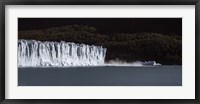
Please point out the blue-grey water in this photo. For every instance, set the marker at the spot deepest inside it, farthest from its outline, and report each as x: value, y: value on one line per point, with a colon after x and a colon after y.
x: 101, y: 76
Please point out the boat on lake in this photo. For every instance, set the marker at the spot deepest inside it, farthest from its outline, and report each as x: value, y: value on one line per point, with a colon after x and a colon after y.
x: 150, y: 63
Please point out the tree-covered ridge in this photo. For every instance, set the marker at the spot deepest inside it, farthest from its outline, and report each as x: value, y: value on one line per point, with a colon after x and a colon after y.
x: 165, y: 49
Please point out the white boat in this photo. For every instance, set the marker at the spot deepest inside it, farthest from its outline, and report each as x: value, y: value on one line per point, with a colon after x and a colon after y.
x: 150, y: 63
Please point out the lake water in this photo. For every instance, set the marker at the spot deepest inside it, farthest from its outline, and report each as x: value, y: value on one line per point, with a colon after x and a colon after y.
x: 101, y: 76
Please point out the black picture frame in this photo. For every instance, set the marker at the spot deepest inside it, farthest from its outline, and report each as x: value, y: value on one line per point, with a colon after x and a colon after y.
x: 100, y: 2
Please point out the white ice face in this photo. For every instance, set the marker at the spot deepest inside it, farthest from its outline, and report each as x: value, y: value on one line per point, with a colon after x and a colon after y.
x: 36, y: 53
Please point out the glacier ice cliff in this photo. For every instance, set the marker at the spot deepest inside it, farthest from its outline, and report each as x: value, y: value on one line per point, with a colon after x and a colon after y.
x: 33, y: 53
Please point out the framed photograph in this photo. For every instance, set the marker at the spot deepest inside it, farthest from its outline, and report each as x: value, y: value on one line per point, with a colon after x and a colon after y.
x: 106, y: 51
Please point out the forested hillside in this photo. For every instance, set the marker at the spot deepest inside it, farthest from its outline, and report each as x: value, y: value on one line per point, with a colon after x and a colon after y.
x: 143, y: 46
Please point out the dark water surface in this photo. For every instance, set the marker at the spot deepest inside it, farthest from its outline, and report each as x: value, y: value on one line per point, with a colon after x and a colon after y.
x: 101, y: 76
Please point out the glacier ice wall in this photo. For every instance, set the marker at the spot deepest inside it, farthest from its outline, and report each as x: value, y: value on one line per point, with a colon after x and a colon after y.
x: 33, y: 53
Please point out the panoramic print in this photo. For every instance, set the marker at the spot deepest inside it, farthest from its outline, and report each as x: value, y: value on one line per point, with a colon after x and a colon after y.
x: 99, y: 51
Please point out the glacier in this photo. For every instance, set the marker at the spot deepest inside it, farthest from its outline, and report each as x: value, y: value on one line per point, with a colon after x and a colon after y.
x: 32, y: 53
